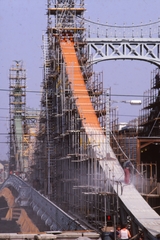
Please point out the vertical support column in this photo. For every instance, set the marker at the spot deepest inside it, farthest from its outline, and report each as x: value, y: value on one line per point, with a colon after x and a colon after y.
x: 48, y: 149
x: 107, y: 119
x: 138, y: 153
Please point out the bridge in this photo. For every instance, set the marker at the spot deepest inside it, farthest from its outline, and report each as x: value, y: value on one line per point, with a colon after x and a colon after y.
x: 77, y: 169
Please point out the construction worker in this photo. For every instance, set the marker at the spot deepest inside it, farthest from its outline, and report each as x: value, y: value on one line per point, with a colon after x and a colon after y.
x: 127, y: 171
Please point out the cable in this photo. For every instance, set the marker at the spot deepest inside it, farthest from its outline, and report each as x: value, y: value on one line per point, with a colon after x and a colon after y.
x: 4, y: 108
x: 29, y: 91
x: 115, y: 95
x: 4, y: 208
x: 128, y: 95
x: 4, y: 133
x: 119, y: 26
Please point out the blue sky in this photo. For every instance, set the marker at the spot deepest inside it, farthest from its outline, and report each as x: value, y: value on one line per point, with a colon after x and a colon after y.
x: 22, y: 23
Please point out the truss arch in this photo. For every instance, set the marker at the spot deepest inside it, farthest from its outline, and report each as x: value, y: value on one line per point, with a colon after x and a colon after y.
x: 105, y: 49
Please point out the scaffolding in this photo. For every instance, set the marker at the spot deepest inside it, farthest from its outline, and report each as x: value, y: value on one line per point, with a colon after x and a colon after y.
x: 66, y: 165
x: 148, y: 141
x: 123, y: 137
x: 17, y: 103
x: 23, y: 122
x: 29, y: 141
x: 139, y: 140
x: 75, y: 124
x: 150, y: 114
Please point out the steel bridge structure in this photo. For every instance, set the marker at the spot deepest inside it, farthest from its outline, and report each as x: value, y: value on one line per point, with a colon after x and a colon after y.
x: 104, y: 49
x: 74, y: 163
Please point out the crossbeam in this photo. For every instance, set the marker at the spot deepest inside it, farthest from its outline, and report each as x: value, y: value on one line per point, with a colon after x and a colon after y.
x: 104, y: 49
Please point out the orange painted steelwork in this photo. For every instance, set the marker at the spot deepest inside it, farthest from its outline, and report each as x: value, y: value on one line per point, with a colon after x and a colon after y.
x: 78, y: 87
